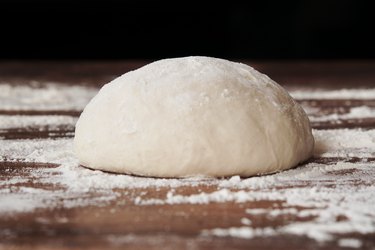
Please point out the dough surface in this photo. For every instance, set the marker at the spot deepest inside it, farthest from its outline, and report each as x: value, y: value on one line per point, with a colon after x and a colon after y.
x: 193, y: 116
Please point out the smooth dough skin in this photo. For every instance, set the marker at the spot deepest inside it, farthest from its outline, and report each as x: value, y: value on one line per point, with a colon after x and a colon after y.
x: 193, y: 116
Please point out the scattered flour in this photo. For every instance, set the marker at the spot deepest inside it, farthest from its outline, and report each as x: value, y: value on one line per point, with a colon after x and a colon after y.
x: 39, y: 150
x: 24, y: 121
x: 329, y: 198
x: 16, y: 202
x: 311, y: 190
x: 272, y: 212
x: 49, y: 96
x: 344, y: 143
x: 222, y: 195
x: 246, y: 221
x: 354, y: 113
x: 350, y: 242
x: 363, y: 94
x: 240, y: 232
x: 329, y: 143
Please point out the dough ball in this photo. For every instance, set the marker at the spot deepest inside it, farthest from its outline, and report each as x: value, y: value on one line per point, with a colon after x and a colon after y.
x: 193, y: 116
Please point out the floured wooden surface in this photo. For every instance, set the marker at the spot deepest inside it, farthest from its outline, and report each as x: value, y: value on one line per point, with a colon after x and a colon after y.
x: 47, y: 201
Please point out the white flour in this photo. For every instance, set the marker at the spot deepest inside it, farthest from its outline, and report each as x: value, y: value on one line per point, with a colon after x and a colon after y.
x: 362, y: 94
x: 350, y: 242
x: 46, y: 97
x: 23, y: 121
x: 326, y: 197
x: 354, y: 113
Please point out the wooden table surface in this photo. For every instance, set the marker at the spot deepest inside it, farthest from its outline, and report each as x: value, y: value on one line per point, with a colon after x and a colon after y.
x: 47, y: 201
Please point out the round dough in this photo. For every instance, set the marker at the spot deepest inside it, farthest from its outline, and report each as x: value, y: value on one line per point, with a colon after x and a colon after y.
x: 193, y: 116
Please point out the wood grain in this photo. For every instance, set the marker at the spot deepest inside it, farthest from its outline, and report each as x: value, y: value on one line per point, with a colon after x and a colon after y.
x: 122, y: 224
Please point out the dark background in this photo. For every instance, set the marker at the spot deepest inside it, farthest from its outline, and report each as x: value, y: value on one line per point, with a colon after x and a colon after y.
x: 62, y: 29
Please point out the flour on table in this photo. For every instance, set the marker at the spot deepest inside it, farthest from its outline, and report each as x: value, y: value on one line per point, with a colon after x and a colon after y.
x: 49, y: 96
x: 359, y: 94
x: 351, y: 196
x: 24, y: 121
x: 354, y: 113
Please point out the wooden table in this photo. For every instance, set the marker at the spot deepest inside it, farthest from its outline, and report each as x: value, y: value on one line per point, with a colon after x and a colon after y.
x: 47, y: 201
